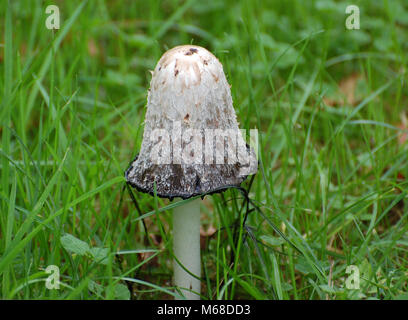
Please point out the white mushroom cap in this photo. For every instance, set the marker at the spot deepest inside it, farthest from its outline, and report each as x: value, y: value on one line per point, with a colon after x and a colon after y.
x: 189, y: 90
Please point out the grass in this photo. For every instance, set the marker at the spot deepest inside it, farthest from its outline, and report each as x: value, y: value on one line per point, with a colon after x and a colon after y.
x: 330, y: 105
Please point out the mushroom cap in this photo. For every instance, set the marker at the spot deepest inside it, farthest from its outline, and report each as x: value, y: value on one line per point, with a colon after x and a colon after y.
x: 189, y: 108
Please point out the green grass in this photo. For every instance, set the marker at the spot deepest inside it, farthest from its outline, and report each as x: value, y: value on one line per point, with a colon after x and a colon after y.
x: 332, y: 182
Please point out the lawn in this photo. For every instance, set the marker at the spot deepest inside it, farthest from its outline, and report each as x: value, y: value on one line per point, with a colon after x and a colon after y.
x: 327, y: 217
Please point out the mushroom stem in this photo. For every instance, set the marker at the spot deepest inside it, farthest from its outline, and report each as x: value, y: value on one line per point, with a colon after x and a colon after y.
x: 186, y: 248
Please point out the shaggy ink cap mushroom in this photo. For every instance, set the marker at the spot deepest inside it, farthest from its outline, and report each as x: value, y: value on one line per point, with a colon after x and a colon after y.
x: 189, y: 108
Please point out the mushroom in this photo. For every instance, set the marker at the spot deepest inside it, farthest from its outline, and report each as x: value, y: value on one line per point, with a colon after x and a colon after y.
x: 191, y: 147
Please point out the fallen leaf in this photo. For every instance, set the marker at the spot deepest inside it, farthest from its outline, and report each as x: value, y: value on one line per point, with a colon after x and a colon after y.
x: 346, y: 93
x: 403, y: 136
x: 348, y: 87
x: 204, y: 234
x: 93, y: 49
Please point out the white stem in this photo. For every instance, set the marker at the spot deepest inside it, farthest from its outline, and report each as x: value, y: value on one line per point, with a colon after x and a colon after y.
x: 186, y: 247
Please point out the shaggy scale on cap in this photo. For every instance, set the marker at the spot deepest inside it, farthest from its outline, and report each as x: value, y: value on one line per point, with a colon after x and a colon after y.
x: 188, y: 91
